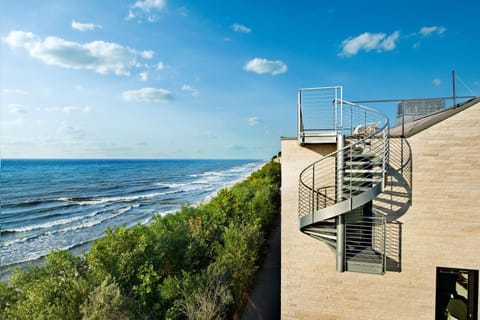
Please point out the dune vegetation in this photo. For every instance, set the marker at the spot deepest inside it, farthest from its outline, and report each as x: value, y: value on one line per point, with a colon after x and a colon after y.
x: 198, y: 263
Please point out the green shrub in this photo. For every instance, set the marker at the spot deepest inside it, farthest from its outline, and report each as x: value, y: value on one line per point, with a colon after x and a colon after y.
x: 105, y: 302
x: 195, y: 264
x: 54, y: 291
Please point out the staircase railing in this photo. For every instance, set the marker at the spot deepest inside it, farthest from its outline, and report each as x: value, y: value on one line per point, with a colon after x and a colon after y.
x: 318, y: 180
x: 319, y: 113
x: 348, y: 178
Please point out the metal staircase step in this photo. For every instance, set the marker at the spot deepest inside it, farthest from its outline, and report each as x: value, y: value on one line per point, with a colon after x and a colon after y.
x: 320, y: 229
x: 354, y: 179
x: 355, y: 188
x: 366, y: 260
x: 360, y: 155
x: 323, y: 236
x: 362, y: 163
x: 362, y: 171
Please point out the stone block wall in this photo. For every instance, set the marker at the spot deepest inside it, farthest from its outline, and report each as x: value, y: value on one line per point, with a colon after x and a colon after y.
x: 441, y: 228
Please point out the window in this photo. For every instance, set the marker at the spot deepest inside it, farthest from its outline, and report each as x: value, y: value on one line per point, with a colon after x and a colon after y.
x: 456, y: 294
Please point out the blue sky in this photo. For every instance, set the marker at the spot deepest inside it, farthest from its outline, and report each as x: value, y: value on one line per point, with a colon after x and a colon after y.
x: 212, y: 79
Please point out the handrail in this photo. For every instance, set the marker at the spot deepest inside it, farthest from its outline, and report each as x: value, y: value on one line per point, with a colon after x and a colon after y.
x: 317, y: 113
x: 334, y: 189
x: 376, y: 139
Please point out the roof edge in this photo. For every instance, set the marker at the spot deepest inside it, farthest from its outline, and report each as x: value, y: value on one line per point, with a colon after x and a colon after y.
x: 419, y: 125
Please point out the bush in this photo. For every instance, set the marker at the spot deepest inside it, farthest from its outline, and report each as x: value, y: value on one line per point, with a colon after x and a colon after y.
x: 195, y: 264
x: 238, y: 257
x: 105, y: 302
x: 54, y: 291
x: 204, y: 296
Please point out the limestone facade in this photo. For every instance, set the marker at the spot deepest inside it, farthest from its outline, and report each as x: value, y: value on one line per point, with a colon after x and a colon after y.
x: 440, y: 228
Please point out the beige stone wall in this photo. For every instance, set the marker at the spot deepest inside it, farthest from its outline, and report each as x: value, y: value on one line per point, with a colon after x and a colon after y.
x: 441, y: 228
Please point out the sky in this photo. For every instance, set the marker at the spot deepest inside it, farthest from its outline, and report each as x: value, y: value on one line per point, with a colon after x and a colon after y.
x: 212, y: 79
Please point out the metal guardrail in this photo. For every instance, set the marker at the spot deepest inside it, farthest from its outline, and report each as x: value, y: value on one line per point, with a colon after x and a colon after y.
x: 365, y: 243
x: 337, y: 187
x: 411, y: 109
x: 367, y: 132
x: 319, y: 111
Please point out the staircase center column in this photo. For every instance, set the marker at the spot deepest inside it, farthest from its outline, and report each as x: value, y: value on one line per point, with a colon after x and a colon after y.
x: 340, y: 220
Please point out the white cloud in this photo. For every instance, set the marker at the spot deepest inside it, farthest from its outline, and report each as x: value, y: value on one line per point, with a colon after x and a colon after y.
x: 253, y: 121
x: 99, y: 56
x: 147, y: 54
x: 85, y: 26
x: 390, y: 42
x: 241, y: 28
x: 130, y: 15
x: 262, y: 66
x: 71, y: 132
x: 156, y: 95
x: 369, y: 41
x: 69, y: 109
x: 15, y: 91
x: 143, y: 8
x: 12, y: 123
x: 147, y: 5
x: 190, y: 89
x: 428, y: 31
x: 152, y: 18
x: 143, y: 76
x: 16, y: 108
x: 160, y: 66
x: 236, y: 147
x: 436, y: 82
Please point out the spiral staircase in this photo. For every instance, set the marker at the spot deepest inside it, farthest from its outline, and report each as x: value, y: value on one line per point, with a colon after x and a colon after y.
x: 336, y: 192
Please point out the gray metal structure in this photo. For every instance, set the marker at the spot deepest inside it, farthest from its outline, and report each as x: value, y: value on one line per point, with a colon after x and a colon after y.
x: 320, y: 114
x: 409, y: 110
x: 336, y: 192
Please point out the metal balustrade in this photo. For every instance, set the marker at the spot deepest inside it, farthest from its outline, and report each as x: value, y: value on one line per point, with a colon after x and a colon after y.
x: 333, y: 189
x: 365, y: 243
x: 319, y: 114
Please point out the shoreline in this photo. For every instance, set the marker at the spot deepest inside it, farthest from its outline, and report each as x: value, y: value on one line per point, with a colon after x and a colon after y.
x: 83, y: 248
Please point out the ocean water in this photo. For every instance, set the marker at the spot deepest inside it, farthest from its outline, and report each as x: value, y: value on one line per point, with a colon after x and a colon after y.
x: 66, y: 204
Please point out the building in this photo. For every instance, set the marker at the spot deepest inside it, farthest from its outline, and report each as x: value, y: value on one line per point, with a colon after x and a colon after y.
x: 377, y: 224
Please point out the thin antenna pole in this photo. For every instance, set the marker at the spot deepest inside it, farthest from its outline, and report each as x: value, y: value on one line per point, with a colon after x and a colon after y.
x: 453, y: 88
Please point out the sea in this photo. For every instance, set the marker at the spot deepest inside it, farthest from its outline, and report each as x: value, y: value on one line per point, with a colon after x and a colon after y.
x: 67, y: 204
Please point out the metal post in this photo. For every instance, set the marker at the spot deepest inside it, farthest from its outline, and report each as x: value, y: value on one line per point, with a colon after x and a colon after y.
x: 401, y: 155
x: 340, y: 106
x: 313, y: 195
x: 384, y: 223
x: 453, y: 88
x: 340, y: 220
x: 299, y: 116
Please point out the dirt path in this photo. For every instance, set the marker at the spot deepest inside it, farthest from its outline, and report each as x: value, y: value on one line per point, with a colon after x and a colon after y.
x: 264, y: 302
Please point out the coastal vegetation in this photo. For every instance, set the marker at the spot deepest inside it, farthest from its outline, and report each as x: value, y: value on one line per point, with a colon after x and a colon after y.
x: 198, y: 263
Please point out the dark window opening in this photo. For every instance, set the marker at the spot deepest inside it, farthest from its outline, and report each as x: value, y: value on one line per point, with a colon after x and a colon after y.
x: 456, y: 294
